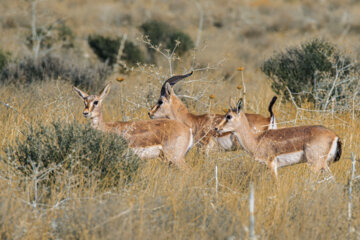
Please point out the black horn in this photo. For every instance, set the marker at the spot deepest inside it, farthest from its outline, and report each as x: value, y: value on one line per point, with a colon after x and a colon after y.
x: 173, y: 80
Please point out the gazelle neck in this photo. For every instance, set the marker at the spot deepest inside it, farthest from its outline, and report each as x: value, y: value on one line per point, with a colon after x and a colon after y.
x: 97, y: 122
x: 244, y: 134
x: 181, y: 113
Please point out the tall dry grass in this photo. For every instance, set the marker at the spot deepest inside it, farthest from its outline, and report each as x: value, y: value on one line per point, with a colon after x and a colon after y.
x: 163, y: 202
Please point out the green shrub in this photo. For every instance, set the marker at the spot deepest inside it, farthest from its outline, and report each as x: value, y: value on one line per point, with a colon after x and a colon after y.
x: 27, y: 70
x: 107, y: 48
x: 164, y: 34
x: 308, y: 71
x: 4, y: 58
x: 132, y: 54
x: 76, y: 148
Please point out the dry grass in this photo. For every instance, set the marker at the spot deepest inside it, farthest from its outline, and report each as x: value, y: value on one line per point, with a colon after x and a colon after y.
x: 163, y: 202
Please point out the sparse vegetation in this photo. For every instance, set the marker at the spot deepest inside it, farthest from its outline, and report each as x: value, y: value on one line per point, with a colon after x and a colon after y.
x: 27, y: 70
x: 107, y: 48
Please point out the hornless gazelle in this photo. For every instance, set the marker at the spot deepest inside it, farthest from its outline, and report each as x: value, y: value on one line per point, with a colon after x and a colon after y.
x: 315, y: 145
x: 148, y: 139
x: 171, y: 107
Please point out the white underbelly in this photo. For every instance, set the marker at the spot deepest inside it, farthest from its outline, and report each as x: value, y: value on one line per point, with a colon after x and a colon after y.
x: 289, y: 158
x: 148, y: 152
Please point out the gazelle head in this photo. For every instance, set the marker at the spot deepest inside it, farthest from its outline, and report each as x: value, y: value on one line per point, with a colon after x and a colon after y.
x: 92, y: 102
x: 165, y: 106
x: 232, y: 119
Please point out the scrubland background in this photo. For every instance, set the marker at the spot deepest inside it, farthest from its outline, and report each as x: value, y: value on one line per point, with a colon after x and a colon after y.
x: 161, y: 202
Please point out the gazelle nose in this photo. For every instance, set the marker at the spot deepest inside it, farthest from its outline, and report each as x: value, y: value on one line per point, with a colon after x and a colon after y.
x: 216, y: 129
x: 85, y: 114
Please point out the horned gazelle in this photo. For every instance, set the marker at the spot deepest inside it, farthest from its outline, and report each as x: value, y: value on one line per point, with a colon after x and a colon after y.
x: 171, y: 107
x: 148, y: 139
x: 313, y: 144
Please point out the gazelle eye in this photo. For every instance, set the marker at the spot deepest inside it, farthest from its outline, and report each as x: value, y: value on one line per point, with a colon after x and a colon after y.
x: 160, y: 102
x: 228, y: 117
x: 96, y: 103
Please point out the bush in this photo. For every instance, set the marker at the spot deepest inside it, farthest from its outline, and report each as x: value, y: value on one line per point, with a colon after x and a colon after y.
x: 4, y: 58
x: 309, y: 72
x: 107, y: 49
x: 164, y: 34
x: 27, y: 70
x: 72, y: 147
x: 60, y: 34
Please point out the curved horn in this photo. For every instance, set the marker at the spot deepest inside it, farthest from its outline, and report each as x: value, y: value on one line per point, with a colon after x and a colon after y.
x: 173, y: 80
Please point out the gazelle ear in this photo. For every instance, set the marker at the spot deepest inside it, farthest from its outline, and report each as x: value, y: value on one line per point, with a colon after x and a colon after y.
x: 82, y: 94
x: 239, y: 105
x: 105, y: 91
x: 232, y: 103
x: 168, y: 90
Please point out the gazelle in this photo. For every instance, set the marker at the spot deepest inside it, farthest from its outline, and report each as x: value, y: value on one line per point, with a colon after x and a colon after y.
x: 171, y: 107
x: 313, y: 144
x: 148, y: 139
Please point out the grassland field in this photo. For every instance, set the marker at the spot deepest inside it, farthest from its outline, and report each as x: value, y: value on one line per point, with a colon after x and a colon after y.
x: 167, y: 203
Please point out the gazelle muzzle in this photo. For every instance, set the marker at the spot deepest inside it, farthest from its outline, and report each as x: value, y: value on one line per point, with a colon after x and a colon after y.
x: 220, y: 126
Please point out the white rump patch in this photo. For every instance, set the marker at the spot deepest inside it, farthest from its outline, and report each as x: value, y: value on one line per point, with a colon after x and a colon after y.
x: 332, y: 152
x: 272, y: 123
x: 289, y: 158
x: 191, y: 141
x: 148, y: 152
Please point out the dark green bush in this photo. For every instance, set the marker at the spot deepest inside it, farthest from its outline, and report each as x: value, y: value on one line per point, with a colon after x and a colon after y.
x: 27, y: 70
x: 164, y: 34
x: 76, y: 148
x: 107, y: 48
x: 308, y: 70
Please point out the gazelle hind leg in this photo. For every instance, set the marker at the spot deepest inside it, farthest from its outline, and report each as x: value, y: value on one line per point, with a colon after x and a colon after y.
x: 331, y: 154
x: 272, y: 164
x: 317, y: 159
x: 329, y: 176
